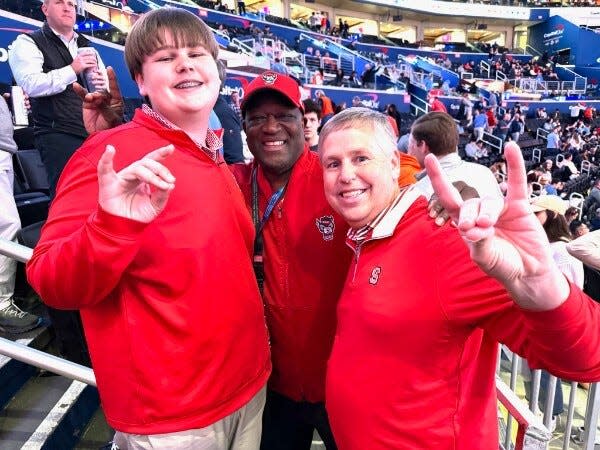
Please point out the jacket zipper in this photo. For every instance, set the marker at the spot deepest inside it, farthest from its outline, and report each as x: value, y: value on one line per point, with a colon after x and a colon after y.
x: 356, y: 256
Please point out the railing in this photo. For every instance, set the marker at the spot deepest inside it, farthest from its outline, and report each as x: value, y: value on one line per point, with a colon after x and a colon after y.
x: 532, y: 51
x: 592, y: 408
x: 485, y: 68
x: 533, y: 85
x: 493, y: 141
x: 419, y: 105
x: 542, y: 134
x: 32, y: 356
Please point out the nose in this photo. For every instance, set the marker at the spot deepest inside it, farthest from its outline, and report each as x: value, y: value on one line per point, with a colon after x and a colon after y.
x: 347, y: 172
x: 185, y: 64
x: 271, y: 124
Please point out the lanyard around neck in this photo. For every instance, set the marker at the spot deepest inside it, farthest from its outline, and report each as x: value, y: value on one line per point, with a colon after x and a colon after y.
x: 277, y: 195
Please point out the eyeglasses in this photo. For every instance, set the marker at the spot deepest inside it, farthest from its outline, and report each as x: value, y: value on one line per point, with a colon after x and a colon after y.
x: 260, y: 120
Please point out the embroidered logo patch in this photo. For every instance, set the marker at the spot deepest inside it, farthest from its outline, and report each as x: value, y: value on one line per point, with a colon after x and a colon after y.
x: 375, y: 275
x: 326, y: 225
x: 269, y: 77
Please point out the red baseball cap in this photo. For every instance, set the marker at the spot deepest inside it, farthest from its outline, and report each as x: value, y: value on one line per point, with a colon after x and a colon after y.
x: 277, y: 82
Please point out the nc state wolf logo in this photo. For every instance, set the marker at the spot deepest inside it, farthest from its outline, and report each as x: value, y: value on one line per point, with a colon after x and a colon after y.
x: 326, y: 225
x: 269, y: 77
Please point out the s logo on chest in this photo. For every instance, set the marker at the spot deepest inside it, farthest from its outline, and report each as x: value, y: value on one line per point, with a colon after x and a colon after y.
x: 326, y: 226
x: 375, y: 273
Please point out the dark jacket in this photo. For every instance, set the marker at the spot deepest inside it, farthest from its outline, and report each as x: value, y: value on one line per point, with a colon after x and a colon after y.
x: 232, y: 131
x: 60, y: 112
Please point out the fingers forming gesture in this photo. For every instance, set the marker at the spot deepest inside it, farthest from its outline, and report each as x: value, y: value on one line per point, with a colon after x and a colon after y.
x: 140, y: 191
x: 504, y: 237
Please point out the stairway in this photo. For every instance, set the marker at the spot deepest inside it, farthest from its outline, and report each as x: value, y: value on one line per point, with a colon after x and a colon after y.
x: 40, y: 410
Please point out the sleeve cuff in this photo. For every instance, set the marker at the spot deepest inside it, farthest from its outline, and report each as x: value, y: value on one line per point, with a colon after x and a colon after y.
x: 118, y: 227
x: 562, y: 316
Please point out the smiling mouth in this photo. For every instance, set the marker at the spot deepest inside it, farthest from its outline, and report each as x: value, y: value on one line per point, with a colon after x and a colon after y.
x: 273, y: 143
x: 188, y: 84
x: 352, y: 194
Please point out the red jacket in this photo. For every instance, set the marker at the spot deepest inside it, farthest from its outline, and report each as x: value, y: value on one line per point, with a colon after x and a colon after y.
x: 413, y: 362
x: 170, y: 309
x: 305, y: 264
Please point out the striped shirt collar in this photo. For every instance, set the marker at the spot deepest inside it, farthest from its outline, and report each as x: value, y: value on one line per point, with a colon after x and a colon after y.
x: 213, y: 143
x: 363, y: 233
x: 386, y: 221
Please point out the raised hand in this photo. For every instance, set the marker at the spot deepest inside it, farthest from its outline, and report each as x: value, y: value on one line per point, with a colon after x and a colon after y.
x: 504, y: 237
x: 140, y: 191
x: 101, y: 110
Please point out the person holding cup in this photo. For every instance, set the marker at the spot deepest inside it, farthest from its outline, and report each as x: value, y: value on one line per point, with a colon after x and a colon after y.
x: 46, y: 63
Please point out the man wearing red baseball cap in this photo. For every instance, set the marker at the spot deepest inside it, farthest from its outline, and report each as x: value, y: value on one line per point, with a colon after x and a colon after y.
x: 300, y: 260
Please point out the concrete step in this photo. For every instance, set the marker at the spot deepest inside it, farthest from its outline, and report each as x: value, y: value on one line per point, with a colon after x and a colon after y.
x: 96, y: 434
x: 48, y: 412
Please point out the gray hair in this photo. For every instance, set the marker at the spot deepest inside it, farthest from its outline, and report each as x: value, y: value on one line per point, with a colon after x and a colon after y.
x: 365, y: 119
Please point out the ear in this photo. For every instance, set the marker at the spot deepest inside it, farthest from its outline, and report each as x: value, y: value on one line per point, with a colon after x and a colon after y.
x: 44, y: 9
x: 139, y: 80
x: 396, y: 164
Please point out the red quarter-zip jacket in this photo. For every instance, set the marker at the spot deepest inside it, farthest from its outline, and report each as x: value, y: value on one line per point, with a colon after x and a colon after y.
x: 171, y: 309
x: 305, y: 263
x: 414, y: 357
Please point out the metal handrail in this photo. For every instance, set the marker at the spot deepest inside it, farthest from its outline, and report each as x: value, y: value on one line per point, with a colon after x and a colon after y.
x: 47, y: 361
x: 33, y: 356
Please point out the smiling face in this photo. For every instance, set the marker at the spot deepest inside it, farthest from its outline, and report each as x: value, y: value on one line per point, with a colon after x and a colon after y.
x: 181, y: 82
x: 274, y: 133
x: 360, y: 178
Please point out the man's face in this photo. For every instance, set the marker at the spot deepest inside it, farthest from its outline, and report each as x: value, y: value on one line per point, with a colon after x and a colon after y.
x: 311, y: 125
x: 274, y: 132
x: 360, y: 179
x: 235, y: 97
x: 60, y: 14
x: 417, y: 149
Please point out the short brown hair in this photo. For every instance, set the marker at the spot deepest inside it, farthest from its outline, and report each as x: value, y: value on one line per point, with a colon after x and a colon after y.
x: 150, y: 31
x: 438, y: 130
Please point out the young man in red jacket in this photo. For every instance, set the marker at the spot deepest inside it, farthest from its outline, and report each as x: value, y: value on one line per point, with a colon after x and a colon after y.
x: 414, y: 357
x: 302, y: 253
x: 150, y: 238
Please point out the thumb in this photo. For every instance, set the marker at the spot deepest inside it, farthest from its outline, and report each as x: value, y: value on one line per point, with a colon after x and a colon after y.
x: 105, y: 165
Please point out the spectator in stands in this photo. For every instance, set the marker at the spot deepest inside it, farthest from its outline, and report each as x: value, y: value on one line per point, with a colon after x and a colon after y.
x: 392, y: 111
x: 353, y: 80
x: 550, y: 210
x: 45, y: 64
x: 304, y: 260
x: 339, y: 77
x: 578, y: 228
x: 516, y: 127
x: 12, y: 318
x: 234, y: 103
x: 122, y: 244
x: 450, y: 310
x: 318, y: 77
x: 575, y: 111
x: 545, y: 180
x: 231, y: 125
x: 492, y: 121
x: 471, y: 149
x: 312, y: 122
x: 567, y: 167
x: 279, y: 67
x: 571, y: 214
x: 314, y: 21
x: 586, y: 248
x: 575, y: 142
x: 436, y: 105
x: 553, y: 143
x: 326, y: 106
x: 436, y: 133
x: 479, y: 124
x: 595, y: 220
x: 368, y: 76
x: 503, y: 126
x: 241, y: 4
